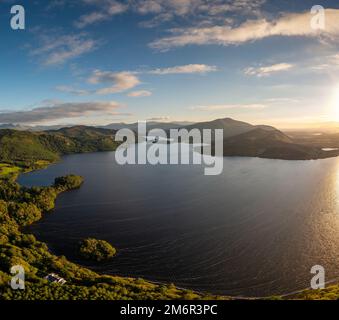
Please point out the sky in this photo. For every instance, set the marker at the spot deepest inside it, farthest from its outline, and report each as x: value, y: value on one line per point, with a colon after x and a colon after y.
x: 96, y: 62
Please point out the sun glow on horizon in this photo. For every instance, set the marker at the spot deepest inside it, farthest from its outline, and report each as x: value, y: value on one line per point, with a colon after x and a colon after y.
x: 335, y: 103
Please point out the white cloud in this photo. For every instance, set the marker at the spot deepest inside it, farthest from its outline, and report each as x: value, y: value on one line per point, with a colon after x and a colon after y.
x: 141, y: 93
x: 56, y: 50
x: 54, y: 110
x: 119, y: 81
x: 291, y: 24
x: 190, y: 68
x: 126, y: 80
x: 268, y: 70
x: 218, y: 107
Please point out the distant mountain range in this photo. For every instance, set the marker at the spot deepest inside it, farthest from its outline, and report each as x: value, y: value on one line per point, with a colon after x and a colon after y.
x: 150, y: 125
x: 113, y: 126
x: 327, y: 127
x: 21, y: 127
x: 240, y: 139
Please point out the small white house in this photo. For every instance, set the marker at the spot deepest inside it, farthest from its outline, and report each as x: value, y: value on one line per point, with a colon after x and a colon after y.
x: 54, y: 278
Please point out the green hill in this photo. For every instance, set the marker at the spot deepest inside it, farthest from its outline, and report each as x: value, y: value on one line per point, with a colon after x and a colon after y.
x: 24, y: 146
x: 33, y: 146
x: 271, y: 144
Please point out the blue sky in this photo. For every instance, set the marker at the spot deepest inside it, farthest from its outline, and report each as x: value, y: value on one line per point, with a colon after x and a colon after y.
x: 103, y: 61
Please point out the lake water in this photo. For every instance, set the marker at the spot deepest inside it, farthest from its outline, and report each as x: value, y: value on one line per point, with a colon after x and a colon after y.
x: 255, y: 230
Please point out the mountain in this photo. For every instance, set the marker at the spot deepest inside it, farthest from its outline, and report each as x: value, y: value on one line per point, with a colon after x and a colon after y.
x: 272, y: 144
x: 31, y: 128
x: 247, y: 140
x: 240, y: 139
x: 230, y: 126
x: 14, y: 126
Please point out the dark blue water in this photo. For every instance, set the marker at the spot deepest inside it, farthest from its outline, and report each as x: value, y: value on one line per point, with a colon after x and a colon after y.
x: 255, y: 230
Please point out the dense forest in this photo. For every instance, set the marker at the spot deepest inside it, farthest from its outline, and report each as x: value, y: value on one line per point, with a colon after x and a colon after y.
x: 26, y: 147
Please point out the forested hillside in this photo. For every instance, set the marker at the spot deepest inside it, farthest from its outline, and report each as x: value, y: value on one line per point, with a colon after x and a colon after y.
x: 28, y: 146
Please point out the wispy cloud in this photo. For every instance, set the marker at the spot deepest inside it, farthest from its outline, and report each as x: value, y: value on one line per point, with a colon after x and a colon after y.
x: 71, y: 90
x: 327, y: 63
x: 162, y: 11
x: 268, y: 70
x: 197, y: 10
x: 291, y: 24
x: 55, y: 4
x: 218, y: 107
x: 119, y: 81
x: 54, y: 110
x: 141, y: 93
x: 163, y: 118
x: 282, y: 100
x: 55, y: 50
x: 109, y: 9
x: 190, y: 68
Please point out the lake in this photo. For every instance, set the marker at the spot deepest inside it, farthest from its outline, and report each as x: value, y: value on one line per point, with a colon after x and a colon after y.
x: 255, y: 230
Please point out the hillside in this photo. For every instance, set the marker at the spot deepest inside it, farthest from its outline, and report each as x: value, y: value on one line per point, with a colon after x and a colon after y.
x: 272, y: 144
x: 32, y: 146
x: 231, y: 127
x: 246, y: 140
x: 240, y: 139
x: 25, y: 146
x: 84, y: 139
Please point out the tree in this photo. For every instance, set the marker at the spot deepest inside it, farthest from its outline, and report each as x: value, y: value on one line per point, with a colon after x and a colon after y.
x: 45, y: 199
x: 98, y: 250
x: 69, y: 182
x: 24, y: 213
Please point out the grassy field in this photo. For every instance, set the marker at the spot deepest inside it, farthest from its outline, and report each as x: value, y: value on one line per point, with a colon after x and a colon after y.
x: 11, y: 171
x: 8, y: 170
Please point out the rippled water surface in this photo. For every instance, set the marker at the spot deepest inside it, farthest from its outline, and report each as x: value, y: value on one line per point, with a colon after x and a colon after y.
x: 255, y: 230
